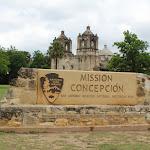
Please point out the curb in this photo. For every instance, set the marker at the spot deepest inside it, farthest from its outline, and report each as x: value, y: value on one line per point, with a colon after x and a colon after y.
x: 143, y: 127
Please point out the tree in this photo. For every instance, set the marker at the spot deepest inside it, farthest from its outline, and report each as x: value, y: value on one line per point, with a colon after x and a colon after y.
x: 28, y: 56
x: 17, y: 60
x: 39, y: 60
x: 4, y: 62
x: 132, y: 57
x: 56, y: 50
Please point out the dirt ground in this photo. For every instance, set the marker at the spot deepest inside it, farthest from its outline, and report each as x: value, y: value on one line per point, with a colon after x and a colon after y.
x: 76, y: 141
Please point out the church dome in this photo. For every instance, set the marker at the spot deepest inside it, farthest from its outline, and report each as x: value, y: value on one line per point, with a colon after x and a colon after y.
x: 106, y: 51
x: 88, y: 31
x: 62, y: 36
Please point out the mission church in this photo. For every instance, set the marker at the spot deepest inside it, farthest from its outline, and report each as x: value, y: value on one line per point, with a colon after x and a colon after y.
x: 87, y: 57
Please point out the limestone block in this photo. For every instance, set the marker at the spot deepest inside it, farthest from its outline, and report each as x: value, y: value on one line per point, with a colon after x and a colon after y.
x: 148, y: 77
x: 139, y: 75
x: 20, y: 83
x: 10, y: 93
x: 72, y: 112
x: 14, y: 101
x: 61, y: 122
x: 83, y: 111
x: 113, y: 113
x: 147, y: 85
x: 90, y: 123
x: 105, y: 121
x: 121, y: 109
x: 101, y: 121
x: 3, y: 100
x: 107, y: 109
x: 114, y: 122
x: 138, y: 81
x: 83, y: 119
x: 133, y: 120
x: 13, y: 93
x: 14, y: 124
x: 16, y: 119
x: 148, y: 94
x: 30, y: 120
x: 142, y: 121
x: 97, y: 111
x: 140, y: 91
x: 13, y: 82
x: 27, y: 73
x: 46, y: 119
x: 32, y: 85
x: 98, y: 121
x: 147, y: 117
x: 123, y: 120
x: 87, y: 121
x: 143, y: 80
x: 91, y: 111
x: 147, y: 102
x: 49, y: 111
x: 73, y: 121
x: 27, y: 97
x: 57, y: 109
x: 47, y: 124
x: 147, y: 109
x: 34, y: 108
x: 138, y: 109
x: 60, y: 112
x: 3, y: 122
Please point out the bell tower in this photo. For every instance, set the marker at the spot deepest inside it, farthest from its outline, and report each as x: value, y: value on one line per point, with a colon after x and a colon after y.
x: 65, y: 41
x: 87, y: 43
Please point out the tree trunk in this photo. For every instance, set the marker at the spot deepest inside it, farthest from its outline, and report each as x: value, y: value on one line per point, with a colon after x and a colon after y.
x: 56, y: 63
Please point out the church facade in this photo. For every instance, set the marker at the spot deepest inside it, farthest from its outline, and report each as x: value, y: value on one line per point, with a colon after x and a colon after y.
x: 87, y: 57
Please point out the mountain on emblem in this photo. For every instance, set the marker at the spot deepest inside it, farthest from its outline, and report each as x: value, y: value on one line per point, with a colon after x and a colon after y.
x: 52, y: 86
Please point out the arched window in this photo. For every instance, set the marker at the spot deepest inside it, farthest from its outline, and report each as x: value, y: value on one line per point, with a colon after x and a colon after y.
x: 106, y: 57
x: 92, y: 44
x: 83, y: 43
x: 66, y: 47
x: 71, y: 66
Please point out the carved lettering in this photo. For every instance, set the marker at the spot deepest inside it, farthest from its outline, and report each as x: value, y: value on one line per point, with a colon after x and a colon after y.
x: 96, y: 77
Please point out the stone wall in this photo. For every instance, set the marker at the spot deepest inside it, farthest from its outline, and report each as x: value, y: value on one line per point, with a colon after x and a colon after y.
x: 70, y: 115
x: 15, y: 112
x: 143, y: 89
x: 23, y: 89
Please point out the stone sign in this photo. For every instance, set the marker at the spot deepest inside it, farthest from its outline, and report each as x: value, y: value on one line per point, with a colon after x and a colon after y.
x: 64, y: 87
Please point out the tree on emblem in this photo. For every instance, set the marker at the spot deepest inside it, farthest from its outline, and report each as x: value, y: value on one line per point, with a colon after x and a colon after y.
x: 51, y: 85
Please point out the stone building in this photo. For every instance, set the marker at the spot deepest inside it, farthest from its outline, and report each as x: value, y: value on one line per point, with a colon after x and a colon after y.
x: 87, y: 57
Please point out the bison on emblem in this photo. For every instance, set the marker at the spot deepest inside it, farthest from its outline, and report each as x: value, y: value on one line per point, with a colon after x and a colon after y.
x: 52, y: 86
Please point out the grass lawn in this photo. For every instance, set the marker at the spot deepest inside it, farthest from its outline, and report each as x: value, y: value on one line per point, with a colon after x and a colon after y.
x: 3, y: 89
x: 76, y: 141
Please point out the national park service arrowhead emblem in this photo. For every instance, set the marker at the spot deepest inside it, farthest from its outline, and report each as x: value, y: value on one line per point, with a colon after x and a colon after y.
x: 52, y: 86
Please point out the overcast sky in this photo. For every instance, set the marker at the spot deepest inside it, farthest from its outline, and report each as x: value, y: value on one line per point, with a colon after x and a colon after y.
x: 31, y: 25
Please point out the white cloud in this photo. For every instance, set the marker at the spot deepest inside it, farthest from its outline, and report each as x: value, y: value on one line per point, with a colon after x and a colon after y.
x: 30, y: 24
x: 124, y: 27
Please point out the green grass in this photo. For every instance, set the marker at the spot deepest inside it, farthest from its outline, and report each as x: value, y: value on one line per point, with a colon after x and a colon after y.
x: 2, y: 131
x: 130, y: 146
x: 78, y: 136
x: 33, y: 132
x: 64, y: 136
x: 3, y: 89
x: 75, y: 141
